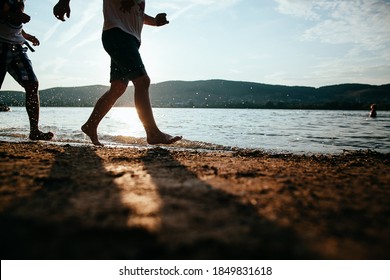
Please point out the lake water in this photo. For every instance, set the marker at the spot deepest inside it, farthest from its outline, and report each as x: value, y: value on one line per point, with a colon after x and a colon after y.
x: 296, y: 131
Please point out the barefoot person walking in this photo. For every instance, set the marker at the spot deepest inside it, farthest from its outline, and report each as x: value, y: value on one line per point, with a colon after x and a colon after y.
x: 123, y: 22
x: 14, y: 60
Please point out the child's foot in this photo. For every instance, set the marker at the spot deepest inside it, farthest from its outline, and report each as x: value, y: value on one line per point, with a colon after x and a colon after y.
x: 162, y: 138
x: 92, y: 134
x: 39, y: 135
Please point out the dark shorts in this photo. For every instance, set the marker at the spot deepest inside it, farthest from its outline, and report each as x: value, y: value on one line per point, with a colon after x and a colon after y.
x: 14, y: 60
x: 123, y: 48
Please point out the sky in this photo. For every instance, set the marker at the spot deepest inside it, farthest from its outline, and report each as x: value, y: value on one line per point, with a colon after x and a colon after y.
x: 283, y: 42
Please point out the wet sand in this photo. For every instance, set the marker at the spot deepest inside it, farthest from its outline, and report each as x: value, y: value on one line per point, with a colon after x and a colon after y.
x: 83, y: 202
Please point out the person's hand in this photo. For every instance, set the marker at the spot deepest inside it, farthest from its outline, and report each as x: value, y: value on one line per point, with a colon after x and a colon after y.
x: 18, y: 18
x: 161, y: 19
x: 24, y: 18
x: 126, y: 5
x: 61, y: 9
x: 34, y: 40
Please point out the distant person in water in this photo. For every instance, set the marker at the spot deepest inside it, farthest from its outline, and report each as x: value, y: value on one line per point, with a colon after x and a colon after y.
x: 373, y: 111
x: 123, y: 22
x: 14, y: 60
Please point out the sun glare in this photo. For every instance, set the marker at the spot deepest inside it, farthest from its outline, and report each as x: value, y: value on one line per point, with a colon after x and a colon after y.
x: 145, y: 205
x: 125, y: 121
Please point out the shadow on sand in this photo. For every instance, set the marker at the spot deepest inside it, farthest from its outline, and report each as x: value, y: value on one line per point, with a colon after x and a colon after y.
x: 77, y: 212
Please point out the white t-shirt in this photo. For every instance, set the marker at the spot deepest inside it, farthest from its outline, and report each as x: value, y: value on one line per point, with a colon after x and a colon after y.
x: 131, y: 23
x: 11, y: 34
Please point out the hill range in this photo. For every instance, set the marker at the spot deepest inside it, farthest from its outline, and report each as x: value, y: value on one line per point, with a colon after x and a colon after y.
x: 221, y: 94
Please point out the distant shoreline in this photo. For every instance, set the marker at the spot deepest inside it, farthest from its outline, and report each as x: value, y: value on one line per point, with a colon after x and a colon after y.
x: 221, y: 94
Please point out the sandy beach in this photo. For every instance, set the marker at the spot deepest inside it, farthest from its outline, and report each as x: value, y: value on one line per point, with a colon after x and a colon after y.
x: 83, y: 202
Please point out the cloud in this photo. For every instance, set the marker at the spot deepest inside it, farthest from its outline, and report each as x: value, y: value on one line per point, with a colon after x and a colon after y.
x: 364, y: 71
x: 54, y: 65
x: 364, y: 23
x: 182, y: 11
x: 180, y: 7
x: 361, y: 27
x: 303, y: 9
x: 89, y: 14
x: 93, y: 37
x: 52, y: 30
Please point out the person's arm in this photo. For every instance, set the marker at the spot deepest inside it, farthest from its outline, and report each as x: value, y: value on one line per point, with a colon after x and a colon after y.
x: 61, y: 9
x: 3, y: 11
x: 34, y: 40
x: 4, y: 16
x: 159, y: 20
x: 17, y: 17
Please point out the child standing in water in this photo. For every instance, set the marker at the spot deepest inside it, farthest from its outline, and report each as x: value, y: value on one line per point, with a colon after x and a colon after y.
x: 373, y: 111
x: 123, y: 23
x: 14, y: 60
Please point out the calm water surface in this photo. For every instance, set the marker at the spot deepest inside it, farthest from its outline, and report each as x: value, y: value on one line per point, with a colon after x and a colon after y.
x: 307, y: 131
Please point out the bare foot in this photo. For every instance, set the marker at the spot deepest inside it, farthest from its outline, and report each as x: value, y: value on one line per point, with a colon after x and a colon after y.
x: 162, y: 138
x: 92, y: 134
x: 39, y: 135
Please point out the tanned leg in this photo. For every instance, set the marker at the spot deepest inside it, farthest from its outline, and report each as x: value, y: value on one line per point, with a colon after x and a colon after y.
x: 144, y: 109
x: 103, y: 105
x: 32, y: 108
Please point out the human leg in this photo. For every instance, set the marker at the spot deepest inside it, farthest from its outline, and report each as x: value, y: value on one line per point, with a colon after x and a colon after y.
x: 144, y: 109
x: 103, y: 105
x: 32, y: 108
x: 114, y: 46
x: 126, y: 65
x: 20, y: 68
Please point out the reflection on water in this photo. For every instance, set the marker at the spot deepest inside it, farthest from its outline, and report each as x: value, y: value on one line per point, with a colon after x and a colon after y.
x: 277, y: 130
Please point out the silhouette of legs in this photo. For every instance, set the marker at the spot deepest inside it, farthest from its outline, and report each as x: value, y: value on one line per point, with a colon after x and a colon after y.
x: 32, y: 108
x: 142, y: 104
x: 144, y: 109
x: 103, y: 105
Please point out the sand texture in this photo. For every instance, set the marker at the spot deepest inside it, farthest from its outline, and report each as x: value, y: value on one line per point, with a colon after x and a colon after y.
x: 82, y: 202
